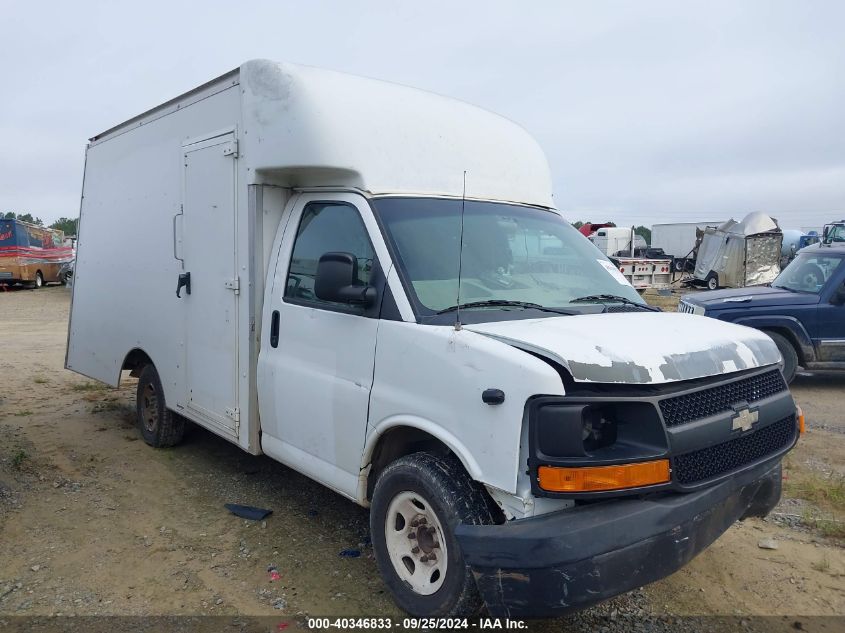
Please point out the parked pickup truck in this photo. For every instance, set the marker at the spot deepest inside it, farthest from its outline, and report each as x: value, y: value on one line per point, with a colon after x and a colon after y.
x: 803, y: 310
x: 371, y: 284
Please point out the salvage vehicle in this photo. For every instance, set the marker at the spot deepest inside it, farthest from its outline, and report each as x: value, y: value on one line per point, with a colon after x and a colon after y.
x: 803, y: 310
x: 371, y: 285
x: 739, y: 254
x: 30, y: 254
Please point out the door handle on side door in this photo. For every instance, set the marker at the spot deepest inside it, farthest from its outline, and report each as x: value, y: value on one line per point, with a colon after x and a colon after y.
x: 184, y: 282
x: 274, y: 329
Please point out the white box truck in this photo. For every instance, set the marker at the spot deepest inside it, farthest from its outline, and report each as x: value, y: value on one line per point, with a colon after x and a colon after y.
x: 370, y: 284
x: 614, y: 240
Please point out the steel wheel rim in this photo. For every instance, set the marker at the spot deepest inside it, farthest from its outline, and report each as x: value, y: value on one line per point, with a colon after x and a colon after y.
x: 149, y: 408
x: 415, y: 543
x: 38, y: 281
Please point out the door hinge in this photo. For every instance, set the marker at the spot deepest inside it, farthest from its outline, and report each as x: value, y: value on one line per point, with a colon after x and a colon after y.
x: 234, y: 414
x: 234, y: 284
x: 231, y: 149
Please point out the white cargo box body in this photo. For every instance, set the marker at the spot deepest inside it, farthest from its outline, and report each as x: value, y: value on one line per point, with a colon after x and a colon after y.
x: 199, y: 185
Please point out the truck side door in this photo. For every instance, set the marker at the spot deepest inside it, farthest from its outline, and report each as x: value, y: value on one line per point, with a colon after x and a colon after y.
x: 316, y: 370
x: 831, y: 319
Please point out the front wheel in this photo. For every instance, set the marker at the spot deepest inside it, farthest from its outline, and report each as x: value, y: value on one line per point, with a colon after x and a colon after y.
x: 417, y: 503
x: 790, y: 356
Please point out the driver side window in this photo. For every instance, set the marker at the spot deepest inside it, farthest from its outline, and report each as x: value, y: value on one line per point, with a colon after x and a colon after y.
x: 323, y: 228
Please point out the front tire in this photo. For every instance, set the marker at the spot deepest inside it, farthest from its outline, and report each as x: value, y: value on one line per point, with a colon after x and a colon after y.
x: 790, y: 356
x: 417, y: 503
x: 159, y: 426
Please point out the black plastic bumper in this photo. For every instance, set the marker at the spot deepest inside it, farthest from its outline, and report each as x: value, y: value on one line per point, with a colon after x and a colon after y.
x: 555, y: 563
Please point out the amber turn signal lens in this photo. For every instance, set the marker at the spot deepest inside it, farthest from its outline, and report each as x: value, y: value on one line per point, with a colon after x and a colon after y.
x: 598, y: 478
x: 800, y: 413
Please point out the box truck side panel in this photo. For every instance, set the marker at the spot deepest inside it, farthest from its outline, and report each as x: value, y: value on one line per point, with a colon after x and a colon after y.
x: 139, y: 232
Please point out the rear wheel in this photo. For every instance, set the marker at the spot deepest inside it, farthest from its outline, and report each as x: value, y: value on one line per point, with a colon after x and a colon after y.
x: 712, y: 281
x: 418, y: 502
x: 159, y: 426
x: 790, y: 356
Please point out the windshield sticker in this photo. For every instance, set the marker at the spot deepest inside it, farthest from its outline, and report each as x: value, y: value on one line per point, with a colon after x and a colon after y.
x: 613, y: 270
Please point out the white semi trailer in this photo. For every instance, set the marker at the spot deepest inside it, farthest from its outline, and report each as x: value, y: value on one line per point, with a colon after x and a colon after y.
x: 370, y: 284
x: 678, y: 241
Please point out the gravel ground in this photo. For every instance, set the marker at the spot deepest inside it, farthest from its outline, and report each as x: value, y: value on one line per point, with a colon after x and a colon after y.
x: 94, y: 522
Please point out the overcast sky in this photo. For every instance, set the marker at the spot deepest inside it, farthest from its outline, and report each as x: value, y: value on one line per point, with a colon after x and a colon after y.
x: 648, y: 111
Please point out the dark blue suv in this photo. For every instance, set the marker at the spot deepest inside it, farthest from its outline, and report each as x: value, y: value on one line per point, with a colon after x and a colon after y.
x: 803, y: 310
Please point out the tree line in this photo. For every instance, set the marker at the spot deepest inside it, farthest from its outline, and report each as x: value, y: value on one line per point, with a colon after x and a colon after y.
x: 67, y: 226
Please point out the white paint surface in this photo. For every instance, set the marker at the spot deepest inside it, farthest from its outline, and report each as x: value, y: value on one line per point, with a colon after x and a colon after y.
x: 658, y: 348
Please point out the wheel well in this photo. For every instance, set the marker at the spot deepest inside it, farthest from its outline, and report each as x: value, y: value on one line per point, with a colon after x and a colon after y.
x: 398, y: 442
x: 789, y: 336
x: 135, y: 361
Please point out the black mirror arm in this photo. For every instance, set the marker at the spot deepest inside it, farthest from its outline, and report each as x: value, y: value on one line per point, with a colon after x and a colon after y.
x: 358, y: 295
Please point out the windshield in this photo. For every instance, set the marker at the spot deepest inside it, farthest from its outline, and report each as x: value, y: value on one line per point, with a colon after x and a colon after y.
x: 808, y: 273
x: 510, y: 253
x: 836, y: 233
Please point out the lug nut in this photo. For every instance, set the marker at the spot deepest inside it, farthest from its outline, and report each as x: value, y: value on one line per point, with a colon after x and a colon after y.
x: 414, y: 523
x: 412, y: 535
x: 436, y: 545
x: 422, y: 521
x: 415, y: 550
x: 424, y: 559
x: 432, y: 556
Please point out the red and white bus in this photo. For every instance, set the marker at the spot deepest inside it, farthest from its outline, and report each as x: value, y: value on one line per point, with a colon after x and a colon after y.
x: 31, y: 254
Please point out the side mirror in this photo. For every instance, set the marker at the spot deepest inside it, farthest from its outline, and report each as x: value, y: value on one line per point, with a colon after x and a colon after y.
x: 838, y: 297
x: 337, y: 281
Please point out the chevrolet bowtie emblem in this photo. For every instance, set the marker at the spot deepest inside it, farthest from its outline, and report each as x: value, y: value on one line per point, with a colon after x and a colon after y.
x: 744, y: 420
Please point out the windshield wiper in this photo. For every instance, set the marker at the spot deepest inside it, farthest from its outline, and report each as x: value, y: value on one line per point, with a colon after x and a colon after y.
x: 503, y: 303
x: 605, y: 298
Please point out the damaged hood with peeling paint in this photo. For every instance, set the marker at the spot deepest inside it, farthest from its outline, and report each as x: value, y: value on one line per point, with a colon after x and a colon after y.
x: 638, y: 348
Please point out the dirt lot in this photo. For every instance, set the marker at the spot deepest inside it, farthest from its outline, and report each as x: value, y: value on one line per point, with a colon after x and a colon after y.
x: 92, y: 521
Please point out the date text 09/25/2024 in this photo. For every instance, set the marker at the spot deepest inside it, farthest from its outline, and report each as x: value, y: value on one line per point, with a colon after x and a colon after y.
x: 415, y: 623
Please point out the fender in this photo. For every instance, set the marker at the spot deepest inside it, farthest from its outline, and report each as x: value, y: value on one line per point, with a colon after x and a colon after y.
x: 793, y: 325
x: 415, y: 422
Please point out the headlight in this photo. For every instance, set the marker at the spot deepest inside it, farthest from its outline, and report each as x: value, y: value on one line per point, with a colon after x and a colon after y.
x: 597, y: 430
x: 690, y: 308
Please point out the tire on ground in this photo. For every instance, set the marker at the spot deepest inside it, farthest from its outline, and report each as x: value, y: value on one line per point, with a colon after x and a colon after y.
x: 454, y: 498
x: 159, y: 426
x: 790, y: 355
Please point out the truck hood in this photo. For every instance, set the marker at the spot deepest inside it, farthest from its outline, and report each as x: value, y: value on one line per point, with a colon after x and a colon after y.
x: 754, y: 295
x: 638, y: 348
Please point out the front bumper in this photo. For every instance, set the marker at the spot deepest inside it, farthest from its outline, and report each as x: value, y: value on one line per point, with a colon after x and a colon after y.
x: 549, y: 565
